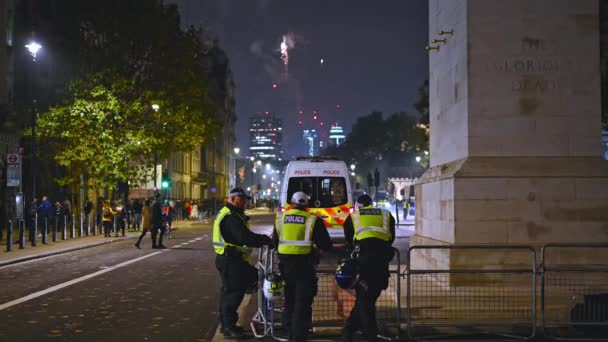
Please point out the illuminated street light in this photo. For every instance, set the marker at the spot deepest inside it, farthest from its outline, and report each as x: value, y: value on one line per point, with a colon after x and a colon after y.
x: 352, y: 167
x: 352, y: 174
x: 33, y: 48
x: 237, y: 150
x: 252, y: 159
x: 426, y: 153
x: 259, y: 162
x: 418, y: 159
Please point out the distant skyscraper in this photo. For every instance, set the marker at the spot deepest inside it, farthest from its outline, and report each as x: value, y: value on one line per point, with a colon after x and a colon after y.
x: 266, y: 137
x: 336, y: 135
x: 311, y: 139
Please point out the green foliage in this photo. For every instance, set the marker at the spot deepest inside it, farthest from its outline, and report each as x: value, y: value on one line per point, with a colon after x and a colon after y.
x: 127, y: 55
x: 383, y: 143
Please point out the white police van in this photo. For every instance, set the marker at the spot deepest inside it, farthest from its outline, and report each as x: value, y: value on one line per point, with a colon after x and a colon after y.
x: 326, y: 181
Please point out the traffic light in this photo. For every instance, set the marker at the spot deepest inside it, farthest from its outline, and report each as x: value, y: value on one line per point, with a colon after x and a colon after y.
x: 166, y: 181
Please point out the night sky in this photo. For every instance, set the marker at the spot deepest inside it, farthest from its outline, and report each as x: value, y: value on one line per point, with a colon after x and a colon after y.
x: 373, y: 58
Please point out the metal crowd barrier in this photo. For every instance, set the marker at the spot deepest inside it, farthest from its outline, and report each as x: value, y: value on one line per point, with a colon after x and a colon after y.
x: 267, y: 310
x: 448, y: 301
x: 332, y: 305
x: 574, y: 291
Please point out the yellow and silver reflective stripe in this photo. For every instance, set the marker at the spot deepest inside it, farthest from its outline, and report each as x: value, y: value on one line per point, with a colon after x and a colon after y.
x: 307, y: 240
x: 295, y: 243
x: 384, y: 229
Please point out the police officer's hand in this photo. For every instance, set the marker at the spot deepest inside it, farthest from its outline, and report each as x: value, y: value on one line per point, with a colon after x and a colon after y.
x: 271, y: 244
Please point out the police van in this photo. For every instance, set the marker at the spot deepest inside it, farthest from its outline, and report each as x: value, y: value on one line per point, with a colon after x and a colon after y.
x: 327, y: 182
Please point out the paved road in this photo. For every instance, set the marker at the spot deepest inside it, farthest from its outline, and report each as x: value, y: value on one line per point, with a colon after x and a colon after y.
x: 116, y: 292
x: 165, y: 295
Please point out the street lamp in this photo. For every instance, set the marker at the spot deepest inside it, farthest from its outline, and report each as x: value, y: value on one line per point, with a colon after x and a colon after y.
x: 352, y: 167
x: 155, y: 108
x: 418, y: 159
x: 236, y: 150
x: 33, y: 47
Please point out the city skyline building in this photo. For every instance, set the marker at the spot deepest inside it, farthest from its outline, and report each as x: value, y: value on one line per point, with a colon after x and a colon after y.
x: 336, y: 135
x: 266, y: 137
x: 311, y: 142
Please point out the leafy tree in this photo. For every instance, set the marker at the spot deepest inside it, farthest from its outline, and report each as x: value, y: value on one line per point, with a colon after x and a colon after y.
x: 390, y: 144
x: 124, y: 57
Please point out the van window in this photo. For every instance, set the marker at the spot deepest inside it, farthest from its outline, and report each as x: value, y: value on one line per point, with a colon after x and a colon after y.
x: 324, y: 192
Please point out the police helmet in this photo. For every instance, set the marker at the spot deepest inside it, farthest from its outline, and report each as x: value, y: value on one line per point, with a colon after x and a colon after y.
x: 346, y: 273
x: 300, y: 198
x: 274, y: 286
x: 364, y: 200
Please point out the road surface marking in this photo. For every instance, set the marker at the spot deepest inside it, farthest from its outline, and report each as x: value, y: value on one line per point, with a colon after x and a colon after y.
x: 72, y: 282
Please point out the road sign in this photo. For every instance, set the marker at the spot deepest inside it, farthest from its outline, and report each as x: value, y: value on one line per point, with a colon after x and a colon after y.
x: 13, y: 170
x: 13, y: 158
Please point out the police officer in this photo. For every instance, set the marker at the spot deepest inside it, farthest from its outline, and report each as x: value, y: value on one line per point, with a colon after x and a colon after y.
x: 296, y: 232
x: 232, y: 241
x: 373, y: 231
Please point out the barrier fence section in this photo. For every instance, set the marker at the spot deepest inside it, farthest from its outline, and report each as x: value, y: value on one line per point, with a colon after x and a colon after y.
x: 332, y: 305
x: 574, y: 291
x: 494, y: 298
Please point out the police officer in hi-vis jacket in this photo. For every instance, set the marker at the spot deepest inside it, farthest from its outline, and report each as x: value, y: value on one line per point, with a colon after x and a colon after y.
x: 373, y: 231
x: 232, y: 241
x: 296, y: 233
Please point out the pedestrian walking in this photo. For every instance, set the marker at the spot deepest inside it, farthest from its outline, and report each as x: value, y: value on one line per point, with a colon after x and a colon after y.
x: 296, y: 233
x: 120, y: 219
x: 88, y: 207
x: 232, y: 241
x: 146, y: 216
x: 372, y: 231
x: 44, y: 208
x: 137, y: 213
x: 107, y: 218
x: 158, y: 229
x: 58, y: 216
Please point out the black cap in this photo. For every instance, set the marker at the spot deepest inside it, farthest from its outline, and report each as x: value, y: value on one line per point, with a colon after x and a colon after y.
x: 239, y: 192
x: 365, y: 200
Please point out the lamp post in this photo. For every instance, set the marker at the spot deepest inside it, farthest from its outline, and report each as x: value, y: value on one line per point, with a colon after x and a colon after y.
x: 33, y: 47
x: 155, y: 108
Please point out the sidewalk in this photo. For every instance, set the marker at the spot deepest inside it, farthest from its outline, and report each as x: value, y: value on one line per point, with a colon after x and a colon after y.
x: 30, y: 252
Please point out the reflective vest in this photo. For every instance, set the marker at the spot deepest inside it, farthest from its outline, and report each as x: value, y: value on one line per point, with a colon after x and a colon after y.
x: 218, y: 240
x: 370, y: 222
x: 295, y: 227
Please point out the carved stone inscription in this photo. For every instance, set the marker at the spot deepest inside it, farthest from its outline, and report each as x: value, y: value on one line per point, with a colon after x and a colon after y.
x: 536, y: 67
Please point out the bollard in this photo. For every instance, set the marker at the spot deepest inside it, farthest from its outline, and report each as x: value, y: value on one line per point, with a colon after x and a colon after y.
x: 21, y: 224
x: 397, y: 211
x: 64, y: 228
x: 9, y: 236
x: 73, y: 227
x: 35, y: 231
x: 45, y: 230
x: 55, y: 229
x: 81, y: 229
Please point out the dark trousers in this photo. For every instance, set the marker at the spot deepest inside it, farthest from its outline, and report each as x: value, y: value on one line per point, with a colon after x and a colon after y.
x: 363, y: 315
x: 237, y: 276
x: 143, y: 233
x: 107, y: 228
x: 374, y: 274
x: 300, y: 289
x: 120, y: 225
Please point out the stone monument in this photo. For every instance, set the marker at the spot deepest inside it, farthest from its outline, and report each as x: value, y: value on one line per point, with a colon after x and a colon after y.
x: 515, y: 127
